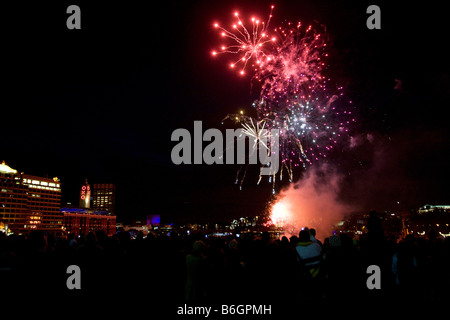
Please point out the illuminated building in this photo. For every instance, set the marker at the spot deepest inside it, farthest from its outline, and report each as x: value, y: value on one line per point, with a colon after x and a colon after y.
x: 44, y: 202
x: 83, y: 220
x: 430, y: 217
x: 85, y: 195
x: 433, y: 208
x: 28, y: 202
x: 104, y: 197
x: 14, y: 213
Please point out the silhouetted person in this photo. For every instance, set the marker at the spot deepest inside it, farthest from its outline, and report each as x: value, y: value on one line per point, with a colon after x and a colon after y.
x: 310, y: 260
x: 374, y: 227
x: 196, y: 265
x: 312, y: 237
x: 309, y: 252
x: 405, y: 267
x: 293, y: 240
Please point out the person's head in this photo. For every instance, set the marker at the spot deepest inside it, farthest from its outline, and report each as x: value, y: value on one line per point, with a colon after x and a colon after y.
x: 91, y: 238
x: 38, y: 240
x: 198, y: 247
x: 335, y: 241
x: 233, y: 244
x: 432, y: 234
x: 313, y: 232
x: 293, y: 240
x: 303, y: 236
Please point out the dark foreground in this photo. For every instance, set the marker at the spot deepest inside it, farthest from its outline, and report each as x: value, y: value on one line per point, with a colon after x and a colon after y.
x: 157, y: 275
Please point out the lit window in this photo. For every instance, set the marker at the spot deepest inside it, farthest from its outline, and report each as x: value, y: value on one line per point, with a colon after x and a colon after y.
x: 43, y: 183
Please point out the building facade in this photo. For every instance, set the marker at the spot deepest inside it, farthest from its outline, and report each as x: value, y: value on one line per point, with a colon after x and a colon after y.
x: 29, y: 202
x: 104, y: 197
x: 83, y: 220
x: 14, y: 212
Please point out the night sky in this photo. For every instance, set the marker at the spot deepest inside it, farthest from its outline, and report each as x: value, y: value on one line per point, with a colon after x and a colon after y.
x: 101, y: 102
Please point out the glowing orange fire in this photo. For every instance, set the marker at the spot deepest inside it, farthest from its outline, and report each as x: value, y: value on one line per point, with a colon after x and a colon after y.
x: 280, y: 213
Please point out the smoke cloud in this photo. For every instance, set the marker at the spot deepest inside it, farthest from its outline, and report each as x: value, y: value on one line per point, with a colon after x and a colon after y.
x: 311, y: 202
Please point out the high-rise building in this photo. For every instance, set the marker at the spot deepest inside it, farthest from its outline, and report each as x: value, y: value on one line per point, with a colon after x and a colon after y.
x: 104, y: 197
x: 29, y: 202
x: 14, y: 213
x: 85, y: 195
x: 44, y: 202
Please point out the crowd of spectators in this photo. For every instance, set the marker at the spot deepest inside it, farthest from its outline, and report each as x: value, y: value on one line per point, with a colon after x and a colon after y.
x: 252, y: 268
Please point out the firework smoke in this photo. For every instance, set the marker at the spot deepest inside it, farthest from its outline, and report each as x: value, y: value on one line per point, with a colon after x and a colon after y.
x: 311, y: 202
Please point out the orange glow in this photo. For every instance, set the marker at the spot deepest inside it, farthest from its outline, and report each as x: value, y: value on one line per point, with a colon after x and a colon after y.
x: 280, y: 213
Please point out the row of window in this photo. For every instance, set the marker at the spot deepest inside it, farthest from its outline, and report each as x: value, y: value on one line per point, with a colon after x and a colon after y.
x: 27, y: 213
x: 10, y: 189
x: 12, y: 215
x: 16, y: 209
x: 12, y: 202
x: 44, y: 188
x: 21, y: 193
x: 42, y: 183
x: 30, y: 197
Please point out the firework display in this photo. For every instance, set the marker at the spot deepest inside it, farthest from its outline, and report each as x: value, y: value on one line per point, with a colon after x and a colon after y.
x: 295, y: 96
x: 248, y: 45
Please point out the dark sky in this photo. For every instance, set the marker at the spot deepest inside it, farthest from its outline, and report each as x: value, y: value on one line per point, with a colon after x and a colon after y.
x: 102, y: 102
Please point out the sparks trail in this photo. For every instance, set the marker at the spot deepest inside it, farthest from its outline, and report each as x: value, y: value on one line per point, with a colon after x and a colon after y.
x: 257, y: 133
x: 247, y: 45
